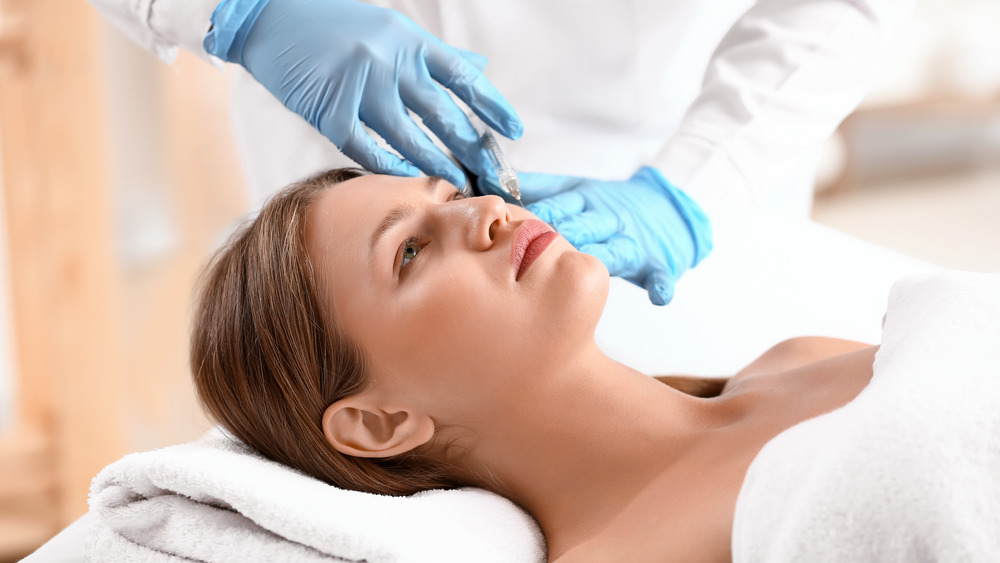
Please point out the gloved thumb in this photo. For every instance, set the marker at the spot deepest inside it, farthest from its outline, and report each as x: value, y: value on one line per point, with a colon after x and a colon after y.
x: 587, y: 227
x: 660, y: 285
x: 477, y: 60
x: 539, y: 185
x: 559, y: 206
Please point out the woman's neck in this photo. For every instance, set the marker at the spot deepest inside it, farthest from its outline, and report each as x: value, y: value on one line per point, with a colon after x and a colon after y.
x: 587, y: 439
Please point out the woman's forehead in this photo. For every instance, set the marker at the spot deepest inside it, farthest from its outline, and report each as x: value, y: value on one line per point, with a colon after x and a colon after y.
x: 375, y: 193
x: 359, y: 204
x: 342, y: 219
x: 342, y: 214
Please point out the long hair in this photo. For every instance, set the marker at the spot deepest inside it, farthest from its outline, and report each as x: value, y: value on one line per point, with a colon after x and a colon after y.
x: 266, y: 361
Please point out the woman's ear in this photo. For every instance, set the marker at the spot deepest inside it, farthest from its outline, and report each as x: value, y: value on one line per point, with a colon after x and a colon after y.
x: 360, y: 427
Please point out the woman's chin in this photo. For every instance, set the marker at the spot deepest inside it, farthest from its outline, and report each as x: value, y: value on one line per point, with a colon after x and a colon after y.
x: 582, y: 286
x: 596, y: 276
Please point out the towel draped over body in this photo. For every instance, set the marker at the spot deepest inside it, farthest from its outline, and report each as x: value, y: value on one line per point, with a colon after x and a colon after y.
x: 909, y: 470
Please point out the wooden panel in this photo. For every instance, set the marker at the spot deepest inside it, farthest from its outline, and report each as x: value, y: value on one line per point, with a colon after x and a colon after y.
x: 81, y: 320
x: 63, y: 277
x: 27, y: 489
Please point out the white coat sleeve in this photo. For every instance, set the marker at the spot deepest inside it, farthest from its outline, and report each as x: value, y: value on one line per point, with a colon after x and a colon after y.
x: 781, y: 80
x: 161, y: 26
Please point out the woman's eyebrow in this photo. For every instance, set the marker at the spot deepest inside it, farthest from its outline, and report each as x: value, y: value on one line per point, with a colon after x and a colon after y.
x: 431, y: 184
x: 397, y: 214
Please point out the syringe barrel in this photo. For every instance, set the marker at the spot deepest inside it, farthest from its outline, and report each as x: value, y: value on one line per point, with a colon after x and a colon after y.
x: 507, y: 176
x: 496, y: 156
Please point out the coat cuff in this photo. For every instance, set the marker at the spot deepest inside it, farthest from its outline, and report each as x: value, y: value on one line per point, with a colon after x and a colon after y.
x: 182, y: 23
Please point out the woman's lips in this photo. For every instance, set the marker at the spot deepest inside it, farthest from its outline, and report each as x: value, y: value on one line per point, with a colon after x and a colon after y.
x: 530, y: 239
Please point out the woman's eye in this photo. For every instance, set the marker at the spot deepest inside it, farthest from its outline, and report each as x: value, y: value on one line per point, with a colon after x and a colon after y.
x: 410, y: 251
x: 412, y: 246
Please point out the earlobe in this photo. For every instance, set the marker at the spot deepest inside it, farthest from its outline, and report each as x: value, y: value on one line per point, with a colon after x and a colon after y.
x: 359, y: 427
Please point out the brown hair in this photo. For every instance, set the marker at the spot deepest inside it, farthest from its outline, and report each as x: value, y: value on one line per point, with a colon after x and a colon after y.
x: 266, y: 361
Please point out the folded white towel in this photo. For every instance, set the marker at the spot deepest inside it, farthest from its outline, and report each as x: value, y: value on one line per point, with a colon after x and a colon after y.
x: 909, y: 470
x: 215, y: 500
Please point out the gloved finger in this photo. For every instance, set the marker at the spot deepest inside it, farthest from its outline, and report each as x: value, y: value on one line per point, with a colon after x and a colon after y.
x: 619, y: 253
x: 361, y: 148
x: 446, y: 120
x: 558, y: 206
x: 587, y: 227
x: 398, y: 129
x: 473, y: 57
x: 660, y: 286
x: 471, y: 86
x: 539, y: 185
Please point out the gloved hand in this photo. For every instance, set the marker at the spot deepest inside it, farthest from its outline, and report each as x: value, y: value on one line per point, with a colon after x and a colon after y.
x: 343, y: 64
x: 644, y: 229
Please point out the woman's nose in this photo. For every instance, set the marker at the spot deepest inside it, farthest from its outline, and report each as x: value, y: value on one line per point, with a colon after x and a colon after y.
x: 477, y: 219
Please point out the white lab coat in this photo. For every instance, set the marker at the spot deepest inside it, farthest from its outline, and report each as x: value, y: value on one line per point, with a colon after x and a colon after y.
x: 730, y: 99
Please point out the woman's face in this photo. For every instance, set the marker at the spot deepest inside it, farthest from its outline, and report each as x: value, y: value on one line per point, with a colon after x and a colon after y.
x: 441, y: 291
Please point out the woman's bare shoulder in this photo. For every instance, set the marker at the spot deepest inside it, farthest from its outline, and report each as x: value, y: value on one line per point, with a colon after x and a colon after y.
x: 783, y: 356
x: 796, y: 352
x: 667, y: 545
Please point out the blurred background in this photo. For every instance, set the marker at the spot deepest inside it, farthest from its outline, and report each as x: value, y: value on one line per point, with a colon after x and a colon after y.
x: 917, y: 166
x: 119, y: 176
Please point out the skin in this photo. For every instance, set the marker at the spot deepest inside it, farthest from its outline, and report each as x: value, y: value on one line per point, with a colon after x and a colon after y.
x: 503, y: 378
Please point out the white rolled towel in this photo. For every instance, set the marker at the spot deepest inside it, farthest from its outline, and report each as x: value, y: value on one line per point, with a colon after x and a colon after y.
x: 216, y: 500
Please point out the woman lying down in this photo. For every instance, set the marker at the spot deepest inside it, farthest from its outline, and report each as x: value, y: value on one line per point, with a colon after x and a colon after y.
x: 389, y: 335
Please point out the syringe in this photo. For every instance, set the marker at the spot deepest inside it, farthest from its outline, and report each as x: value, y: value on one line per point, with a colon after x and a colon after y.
x: 508, y: 179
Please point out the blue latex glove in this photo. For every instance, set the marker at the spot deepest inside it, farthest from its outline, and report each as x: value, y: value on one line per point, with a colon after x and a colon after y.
x: 644, y: 229
x: 344, y: 64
